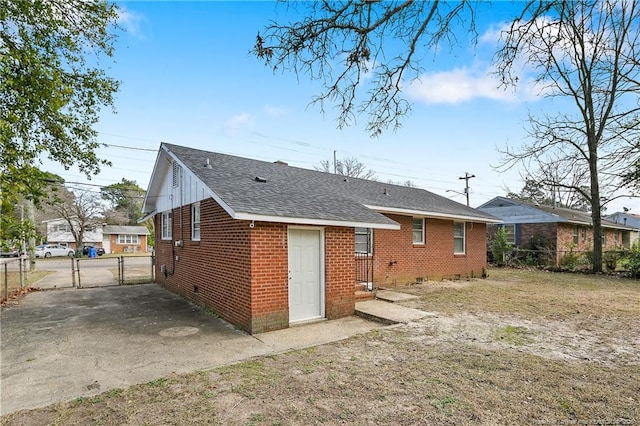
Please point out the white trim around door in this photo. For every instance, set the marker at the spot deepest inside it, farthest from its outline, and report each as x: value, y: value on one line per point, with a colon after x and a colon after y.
x: 306, y: 274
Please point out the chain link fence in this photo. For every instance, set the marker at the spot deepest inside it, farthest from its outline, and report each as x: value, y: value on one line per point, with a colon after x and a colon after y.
x: 74, y: 273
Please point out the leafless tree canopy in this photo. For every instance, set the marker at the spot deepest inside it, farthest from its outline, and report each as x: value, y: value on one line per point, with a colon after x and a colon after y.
x: 81, y: 211
x: 362, y: 51
x: 585, y: 56
x: 348, y: 166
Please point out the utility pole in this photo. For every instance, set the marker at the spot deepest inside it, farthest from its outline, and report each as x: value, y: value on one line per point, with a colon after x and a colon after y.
x: 466, y: 178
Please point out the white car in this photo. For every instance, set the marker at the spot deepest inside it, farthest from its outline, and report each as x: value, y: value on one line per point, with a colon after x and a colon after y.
x: 53, y: 250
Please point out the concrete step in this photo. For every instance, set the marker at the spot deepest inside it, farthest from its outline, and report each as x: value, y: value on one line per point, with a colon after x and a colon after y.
x: 388, y: 313
x: 394, y: 296
x: 364, y: 295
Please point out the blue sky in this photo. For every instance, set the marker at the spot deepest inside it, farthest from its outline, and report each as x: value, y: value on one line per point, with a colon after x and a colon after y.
x: 188, y: 79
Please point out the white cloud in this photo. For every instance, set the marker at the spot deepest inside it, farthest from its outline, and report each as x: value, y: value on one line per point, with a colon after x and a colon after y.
x: 458, y: 86
x: 275, y: 112
x: 239, y: 122
x: 129, y: 20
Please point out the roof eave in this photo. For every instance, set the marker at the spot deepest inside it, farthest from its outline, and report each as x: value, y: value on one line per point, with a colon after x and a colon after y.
x: 434, y: 215
x: 314, y: 221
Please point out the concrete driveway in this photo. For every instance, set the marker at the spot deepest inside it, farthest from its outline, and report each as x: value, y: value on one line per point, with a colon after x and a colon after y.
x: 62, y: 344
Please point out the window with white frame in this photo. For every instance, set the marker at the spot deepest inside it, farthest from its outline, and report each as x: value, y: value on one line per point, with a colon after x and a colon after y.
x: 61, y: 227
x: 166, y: 225
x: 575, y: 234
x: 195, y: 222
x: 364, y: 240
x: 459, y: 237
x: 128, y: 239
x: 418, y: 230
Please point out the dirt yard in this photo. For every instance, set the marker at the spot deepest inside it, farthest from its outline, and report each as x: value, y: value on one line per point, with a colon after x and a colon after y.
x: 516, y: 348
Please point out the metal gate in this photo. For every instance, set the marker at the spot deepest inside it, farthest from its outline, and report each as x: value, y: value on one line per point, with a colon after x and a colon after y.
x: 364, y: 269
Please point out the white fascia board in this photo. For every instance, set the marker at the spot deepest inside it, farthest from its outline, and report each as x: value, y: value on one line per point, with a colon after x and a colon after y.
x: 320, y: 222
x: 409, y: 212
x: 147, y: 216
x: 578, y: 222
x: 152, y: 181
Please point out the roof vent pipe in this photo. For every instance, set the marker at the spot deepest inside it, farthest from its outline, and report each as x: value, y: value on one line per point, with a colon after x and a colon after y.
x: 259, y: 179
x: 207, y: 165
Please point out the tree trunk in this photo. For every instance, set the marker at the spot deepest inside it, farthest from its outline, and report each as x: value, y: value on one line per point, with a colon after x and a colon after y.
x: 596, y: 215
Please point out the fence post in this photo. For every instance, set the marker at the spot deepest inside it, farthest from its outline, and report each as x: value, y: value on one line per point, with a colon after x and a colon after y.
x: 6, y: 282
x: 153, y: 269
x: 78, y: 270
x: 21, y: 273
x: 73, y: 274
x: 122, y: 276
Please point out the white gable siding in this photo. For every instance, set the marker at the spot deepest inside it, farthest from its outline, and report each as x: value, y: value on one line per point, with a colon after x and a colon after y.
x: 56, y: 236
x: 189, y: 189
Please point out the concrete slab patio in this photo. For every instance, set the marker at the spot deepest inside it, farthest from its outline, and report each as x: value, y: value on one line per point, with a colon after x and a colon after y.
x: 58, y: 345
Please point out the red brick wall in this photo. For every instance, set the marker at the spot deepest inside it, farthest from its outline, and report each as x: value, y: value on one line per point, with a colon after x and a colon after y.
x: 242, y: 273
x: 399, y: 261
x: 219, y: 265
x: 128, y: 248
x: 269, y: 277
x: 339, y: 272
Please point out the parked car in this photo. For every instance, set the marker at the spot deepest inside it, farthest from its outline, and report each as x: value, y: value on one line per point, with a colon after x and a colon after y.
x: 85, y: 250
x: 9, y: 252
x: 53, y: 250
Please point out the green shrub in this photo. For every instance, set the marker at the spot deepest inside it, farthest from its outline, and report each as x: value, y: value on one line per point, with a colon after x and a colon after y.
x: 500, y: 246
x: 633, y: 261
x: 610, y: 260
x: 569, y: 261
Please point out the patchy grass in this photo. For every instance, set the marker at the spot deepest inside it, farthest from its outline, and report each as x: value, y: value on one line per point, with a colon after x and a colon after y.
x: 480, y: 361
x: 534, y: 294
x: 512, y: 334
x: 13, y: 282
x: 14, y: 291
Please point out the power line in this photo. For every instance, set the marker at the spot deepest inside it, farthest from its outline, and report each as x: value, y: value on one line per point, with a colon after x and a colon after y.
x: 133, y: 148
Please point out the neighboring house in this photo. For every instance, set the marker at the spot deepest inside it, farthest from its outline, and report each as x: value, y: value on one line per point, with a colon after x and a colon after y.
x: 265, y: 244
x: 59, y: 232
x: 559, y: 230
x: 125, y: 239
x: 628, y: 219
x: 113, y: 238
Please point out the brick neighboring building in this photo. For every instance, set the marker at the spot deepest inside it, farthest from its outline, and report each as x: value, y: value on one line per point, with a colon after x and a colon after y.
x: 560, y: 230
x: 265, y: 245
x: 113, y: 238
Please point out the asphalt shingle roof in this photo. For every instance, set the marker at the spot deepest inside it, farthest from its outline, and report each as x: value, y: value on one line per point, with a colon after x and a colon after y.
x: 301, y: 193
x: 125, y: 230
x: 509, y: 209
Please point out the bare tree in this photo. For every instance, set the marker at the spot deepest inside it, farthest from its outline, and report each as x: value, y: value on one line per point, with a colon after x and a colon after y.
x: 408, y: 183
x: 342, y: 45
x: 535, y: 192
x: 348, y: 166
x: 81, y: 211
x: 585, y: 55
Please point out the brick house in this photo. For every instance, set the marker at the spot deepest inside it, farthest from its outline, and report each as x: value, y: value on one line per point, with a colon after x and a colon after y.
x: 559, y: 230
x: 113, y: 238
x: 266, y: 245
x: 627, y: 219
x: 124, y: 239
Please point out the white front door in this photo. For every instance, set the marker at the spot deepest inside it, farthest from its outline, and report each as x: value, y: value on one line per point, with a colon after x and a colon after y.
x: 106, y: 244
x: 306, y: 289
